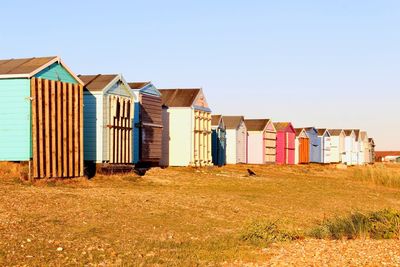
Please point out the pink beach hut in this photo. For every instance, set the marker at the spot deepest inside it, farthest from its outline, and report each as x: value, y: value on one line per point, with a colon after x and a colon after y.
x: 285, y: 143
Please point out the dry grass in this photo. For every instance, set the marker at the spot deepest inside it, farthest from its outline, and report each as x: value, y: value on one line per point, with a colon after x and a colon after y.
x: 380, y: 174
x: 176, y: 216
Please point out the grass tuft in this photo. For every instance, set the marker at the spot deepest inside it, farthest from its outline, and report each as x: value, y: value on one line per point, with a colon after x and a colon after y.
x: 265, y: 233
x: 383, y: 224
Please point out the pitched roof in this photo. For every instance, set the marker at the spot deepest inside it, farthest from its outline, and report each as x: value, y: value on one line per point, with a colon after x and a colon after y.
x: 138, y: 85
x: 232, y: 122
x: 357, y: 132
x: 335, y: 132
x: 215, y: 119
x: 256, y: 124
x: 97, y: 82
x: 23, y: 65
x: 348, y: 132
x: 281, y: 125
x: 179, y: 97
x: 322, y: 131
x: 299, y: 130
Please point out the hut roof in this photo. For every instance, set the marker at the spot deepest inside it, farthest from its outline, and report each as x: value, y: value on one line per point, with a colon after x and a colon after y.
x: 23, y: 65
x: 335, y: 132
x: 299, y: 130
x: 179, y: 97
x: 232, y: 122
x: 215, y: 119
x: 279, y: 126
x: 97, y: 82
x: 28, y: 67
x: 357, y: 132
x: 256, y: 124
x: 322, y: 131
x: 348, y: 132
x: 138, y: 85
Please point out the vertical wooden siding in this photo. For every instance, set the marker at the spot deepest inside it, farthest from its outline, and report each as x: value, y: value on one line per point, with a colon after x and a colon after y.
x: 120, y: 129
x: 57, y: 128
x: 304, y: 150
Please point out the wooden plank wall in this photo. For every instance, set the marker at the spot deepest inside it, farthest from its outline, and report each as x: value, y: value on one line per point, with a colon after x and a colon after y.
x: 57, y: 129
x: 151, y: 128
x: 120, y: 129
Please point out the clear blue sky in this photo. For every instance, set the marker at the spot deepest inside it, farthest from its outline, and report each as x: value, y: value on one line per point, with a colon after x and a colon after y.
x: 325, y: 63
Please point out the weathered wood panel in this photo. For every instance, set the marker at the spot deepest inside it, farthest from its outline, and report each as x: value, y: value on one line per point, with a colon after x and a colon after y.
x: 151, y: 128
x: 57, y: 125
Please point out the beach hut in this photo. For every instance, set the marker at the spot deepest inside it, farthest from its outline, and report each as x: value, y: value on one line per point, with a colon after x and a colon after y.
x: 302, y: 147
x: 357, y: 148
x: 337, y: 145
x: 315, y: 145
x: 187, y: 128
x: 41, y: 116
x: 371, y: 144
x: 285, y: 143
x: 364, y: 148
x: 325, y: 138
x: 218, y: 139
x: 350, y: 147
x: 261, y: 141
x: 108, y: 116
x: 147, y: 133
x: 236, y: 139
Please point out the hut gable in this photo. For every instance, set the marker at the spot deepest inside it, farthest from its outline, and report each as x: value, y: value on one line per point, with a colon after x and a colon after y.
x: 106, y: 83
x: 184, y: 98
x: 323, y: 132
x: 233, y: 122
x: 49, y: 68
x: 301, y: 133
x: 284, y: 127
x: 145, y: 88
x: 257, y: 125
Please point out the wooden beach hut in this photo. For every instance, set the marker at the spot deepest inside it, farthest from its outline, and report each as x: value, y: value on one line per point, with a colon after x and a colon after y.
x: 261, y: 141
x: 218, y: 140
x: 236, y: 139
x: 364, y: 148
x: 371, y: 144
x: 186, y: 128
x: 357, y: 147
x: 337, y: 145
x: 108, y: 117
x: 285, y: 143
x: 325, y: 139
x: 148, y: 126
x: 302, y: 147
x: 315, y: 145
x: 41, y: 116
x: 350, y: 147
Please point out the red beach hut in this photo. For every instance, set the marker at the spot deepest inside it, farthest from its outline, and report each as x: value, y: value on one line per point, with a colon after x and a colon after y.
x: 285, y: 143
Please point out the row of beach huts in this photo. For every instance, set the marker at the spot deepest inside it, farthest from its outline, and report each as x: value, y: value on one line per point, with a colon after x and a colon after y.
x: 60, y: 122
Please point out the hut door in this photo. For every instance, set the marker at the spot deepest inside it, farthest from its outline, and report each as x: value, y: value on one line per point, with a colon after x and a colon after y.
x: 57, y: 129
x: 120, y: 129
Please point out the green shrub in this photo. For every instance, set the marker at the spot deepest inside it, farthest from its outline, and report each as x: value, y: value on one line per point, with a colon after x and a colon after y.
x: 384, y: 224
x: 265, y: 233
